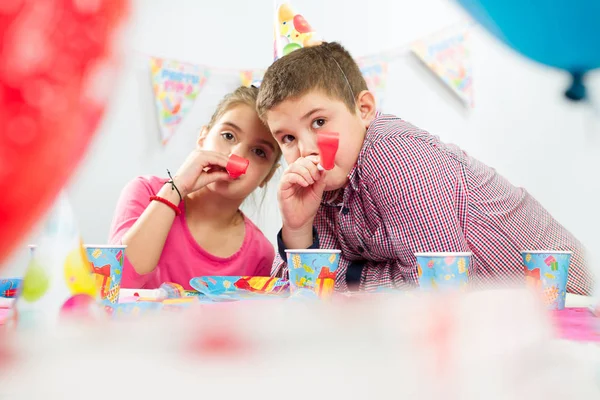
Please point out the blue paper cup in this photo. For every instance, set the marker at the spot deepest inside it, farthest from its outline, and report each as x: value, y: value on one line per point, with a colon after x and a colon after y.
x: 107, y: 265
x: 547, y: 271
x: 313, y: 269
x: 444, y: 271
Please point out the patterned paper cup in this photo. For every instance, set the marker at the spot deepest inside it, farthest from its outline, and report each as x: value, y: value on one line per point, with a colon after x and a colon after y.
x: 106, y: 262
x: 547, y: 271
x: 313, y: 269
x: 443, y: 270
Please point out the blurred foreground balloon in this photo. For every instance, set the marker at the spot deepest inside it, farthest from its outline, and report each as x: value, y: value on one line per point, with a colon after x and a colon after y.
x: 56, y: 65
x: 563, y: 34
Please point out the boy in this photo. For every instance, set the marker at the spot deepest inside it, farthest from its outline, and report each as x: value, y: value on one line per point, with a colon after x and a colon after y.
x: 395, y: 189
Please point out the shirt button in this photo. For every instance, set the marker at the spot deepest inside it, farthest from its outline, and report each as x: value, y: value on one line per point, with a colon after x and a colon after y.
x: 345, y: 210
x: 360, y: 249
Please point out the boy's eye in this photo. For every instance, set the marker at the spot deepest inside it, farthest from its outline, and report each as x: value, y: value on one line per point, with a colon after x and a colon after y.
x: 227, y: 136
x: 260, y: 152
x: 287, y: 139
x: 318, y: 123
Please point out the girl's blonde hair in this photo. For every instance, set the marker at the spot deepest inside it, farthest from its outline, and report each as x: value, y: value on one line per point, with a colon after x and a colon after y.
x: 242, y: 95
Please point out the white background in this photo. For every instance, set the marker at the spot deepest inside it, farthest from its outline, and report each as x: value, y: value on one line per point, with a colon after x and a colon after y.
x: 521, y: 123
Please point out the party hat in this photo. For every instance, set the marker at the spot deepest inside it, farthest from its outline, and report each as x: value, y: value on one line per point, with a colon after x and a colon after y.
x: 58, y: 282
x: 292, y: 31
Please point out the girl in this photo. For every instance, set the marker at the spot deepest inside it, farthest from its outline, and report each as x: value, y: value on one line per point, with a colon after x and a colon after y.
x: 191, y: 225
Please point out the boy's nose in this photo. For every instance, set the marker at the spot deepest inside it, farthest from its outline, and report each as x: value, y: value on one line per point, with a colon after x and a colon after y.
x: 308, y: 147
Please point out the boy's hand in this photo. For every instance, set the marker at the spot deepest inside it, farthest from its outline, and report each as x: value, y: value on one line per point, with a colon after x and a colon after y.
x: 300, y: 193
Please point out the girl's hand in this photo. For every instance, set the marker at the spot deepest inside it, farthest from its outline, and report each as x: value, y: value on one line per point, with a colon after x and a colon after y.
x: 199, y: 169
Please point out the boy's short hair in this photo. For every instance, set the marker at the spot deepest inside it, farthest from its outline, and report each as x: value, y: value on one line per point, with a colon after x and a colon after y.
x: 328, y: 67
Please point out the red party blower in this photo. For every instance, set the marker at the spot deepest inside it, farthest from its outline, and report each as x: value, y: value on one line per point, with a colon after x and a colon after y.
x: 328, y: 143
x: 237, y: 166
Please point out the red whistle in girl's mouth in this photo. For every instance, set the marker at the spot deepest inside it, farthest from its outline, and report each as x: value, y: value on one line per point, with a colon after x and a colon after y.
x: 237, y: 166
x: 328, y: 143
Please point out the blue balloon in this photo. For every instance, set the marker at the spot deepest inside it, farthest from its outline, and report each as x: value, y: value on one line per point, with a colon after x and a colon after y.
x: 560, y: 33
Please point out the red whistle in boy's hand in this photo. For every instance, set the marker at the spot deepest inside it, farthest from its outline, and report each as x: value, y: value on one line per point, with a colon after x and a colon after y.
x: 328, y: 143
x: 237, y: 166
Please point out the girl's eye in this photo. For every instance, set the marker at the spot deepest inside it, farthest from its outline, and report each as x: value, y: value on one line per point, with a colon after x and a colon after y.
x: 260, y: 152
x: 318, y: 123
x: 287, y: 139
x: 227, y: 136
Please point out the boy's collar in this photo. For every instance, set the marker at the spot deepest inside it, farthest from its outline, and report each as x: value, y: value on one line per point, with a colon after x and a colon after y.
x: 333, y: 197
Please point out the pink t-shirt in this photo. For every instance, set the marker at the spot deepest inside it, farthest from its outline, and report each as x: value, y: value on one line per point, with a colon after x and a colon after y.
x: 182, y: 258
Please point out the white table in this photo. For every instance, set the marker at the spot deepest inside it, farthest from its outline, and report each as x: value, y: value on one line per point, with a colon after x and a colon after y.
x: 575, y: 300
x: 572, y: 300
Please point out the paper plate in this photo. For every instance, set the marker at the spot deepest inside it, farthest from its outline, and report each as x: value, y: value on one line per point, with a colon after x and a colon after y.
x: 232, y: 288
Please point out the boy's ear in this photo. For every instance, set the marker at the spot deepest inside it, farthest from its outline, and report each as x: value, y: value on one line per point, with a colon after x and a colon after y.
x: 202, y: 136
x: 367, y: 107
x: 270, y: 175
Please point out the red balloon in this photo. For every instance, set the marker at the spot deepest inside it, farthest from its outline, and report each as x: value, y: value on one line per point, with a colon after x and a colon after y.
x: 56, y: 59
x: 301, y: 25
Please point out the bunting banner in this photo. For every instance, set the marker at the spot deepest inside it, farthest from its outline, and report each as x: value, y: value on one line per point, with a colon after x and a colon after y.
x: 447, y: 55
x: 375, y: 73
x: 176, y: 86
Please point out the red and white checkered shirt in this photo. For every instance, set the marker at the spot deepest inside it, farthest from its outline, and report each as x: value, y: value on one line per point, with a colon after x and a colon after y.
x: 409, y: 192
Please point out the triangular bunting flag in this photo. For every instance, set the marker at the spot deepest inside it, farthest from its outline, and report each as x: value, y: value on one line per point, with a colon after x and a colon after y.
x: 375, y: 73
x: 252, y: 77
x: 176, y: 86
x: 447, y: 55
x: 292, y: 32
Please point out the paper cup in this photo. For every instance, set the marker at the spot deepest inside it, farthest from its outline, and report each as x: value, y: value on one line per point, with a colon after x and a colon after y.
x: 313, y: 269
x: 547, y: 271
x: 444, y: 271
x: 107, y: 264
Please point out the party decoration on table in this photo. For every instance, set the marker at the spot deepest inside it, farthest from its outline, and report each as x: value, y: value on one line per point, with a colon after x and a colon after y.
x: 167, y: 290
x: 577, y: 324
x: 313, y: 269
x: 173, y: 290
x: 252, y: 77
x: 447, y: 55
x: 58, y: 281
x: 176, y: 86
x: 446, y: 271
x: 546, y: 272
x: 374, y: 70
x: 52, y: 98
x: 237, y: 166
x: 106, y: 262
x: 10, y: 287
x: 135, y: 309
x: 232, y: 288
x: 328, y: 143
x: 561, y: 34
x: 292, y: 31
